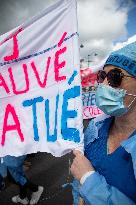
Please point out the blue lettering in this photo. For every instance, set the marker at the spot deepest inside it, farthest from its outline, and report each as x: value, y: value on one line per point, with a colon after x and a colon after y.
x: 71, y: 134
x: 32, y: 103
x: 92, y: 99
x: 51, y: 138
x: 125, y: 62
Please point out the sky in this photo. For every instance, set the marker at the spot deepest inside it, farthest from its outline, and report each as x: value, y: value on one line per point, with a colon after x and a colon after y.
x: 104, y: 25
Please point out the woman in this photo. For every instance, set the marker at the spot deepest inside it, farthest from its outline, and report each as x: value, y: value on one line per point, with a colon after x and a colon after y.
x: 106, y: 175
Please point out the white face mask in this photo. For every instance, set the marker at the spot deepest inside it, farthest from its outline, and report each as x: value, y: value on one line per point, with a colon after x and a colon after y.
x: 111, y: 100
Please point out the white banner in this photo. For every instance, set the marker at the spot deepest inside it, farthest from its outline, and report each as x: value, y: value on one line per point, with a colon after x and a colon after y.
x: 40, y: 94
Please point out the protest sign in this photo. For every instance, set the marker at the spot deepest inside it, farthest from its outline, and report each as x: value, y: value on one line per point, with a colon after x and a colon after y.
x: 90, y: 110
x: 88, y: 77
x: 89, y: 83
x: 41, y: 105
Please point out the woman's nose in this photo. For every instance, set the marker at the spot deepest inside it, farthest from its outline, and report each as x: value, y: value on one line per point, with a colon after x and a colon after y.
x: 105, y: 82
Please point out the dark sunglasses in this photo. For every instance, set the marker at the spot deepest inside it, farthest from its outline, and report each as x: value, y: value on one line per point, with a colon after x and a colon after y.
x: 114, y: 77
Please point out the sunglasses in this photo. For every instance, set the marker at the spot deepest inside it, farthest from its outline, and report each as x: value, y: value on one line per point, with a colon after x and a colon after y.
x: 114, y: 77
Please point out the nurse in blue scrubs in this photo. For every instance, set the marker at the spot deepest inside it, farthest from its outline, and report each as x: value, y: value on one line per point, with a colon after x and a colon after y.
x: 106, y: 173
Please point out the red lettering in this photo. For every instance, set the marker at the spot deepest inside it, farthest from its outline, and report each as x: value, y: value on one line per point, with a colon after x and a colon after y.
x: 86, y: 111
x: 62, y: 39
x: 45, y: 75
x: 95, y: 111
x: 15, y: 52
x: 90, y: 111
x: 99, y: 111
x: 13, y: 82
x: 58, y: 65
x: 3, y: 83
x: 6, y: 127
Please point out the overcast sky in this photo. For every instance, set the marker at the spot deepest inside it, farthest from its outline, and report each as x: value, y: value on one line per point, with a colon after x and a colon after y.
x: 103, y: 24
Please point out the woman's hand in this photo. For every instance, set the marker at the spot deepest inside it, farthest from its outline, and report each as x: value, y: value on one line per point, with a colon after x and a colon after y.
x: 80, y: 166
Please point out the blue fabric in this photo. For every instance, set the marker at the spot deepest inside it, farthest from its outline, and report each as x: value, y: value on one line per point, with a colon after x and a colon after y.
x: 124, y: 58
x: 11, y: 161
x: 18, y: 174
x: 95, y: 190
x: 1, y: 182
x: 111, y: 100
x: 3, y: 169
x: 123, y: 62
x: 75, y: 191
x: 110, y: 166
x: 15, y: 167
x: 97, y: 150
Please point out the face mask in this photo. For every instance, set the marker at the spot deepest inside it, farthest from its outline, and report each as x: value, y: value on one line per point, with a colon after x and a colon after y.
x: 110, y: 100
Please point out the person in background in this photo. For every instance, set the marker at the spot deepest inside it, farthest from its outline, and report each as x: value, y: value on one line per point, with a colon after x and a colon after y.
x: 2, y: 183
x: 106, y: 175
x: 14, y: 165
